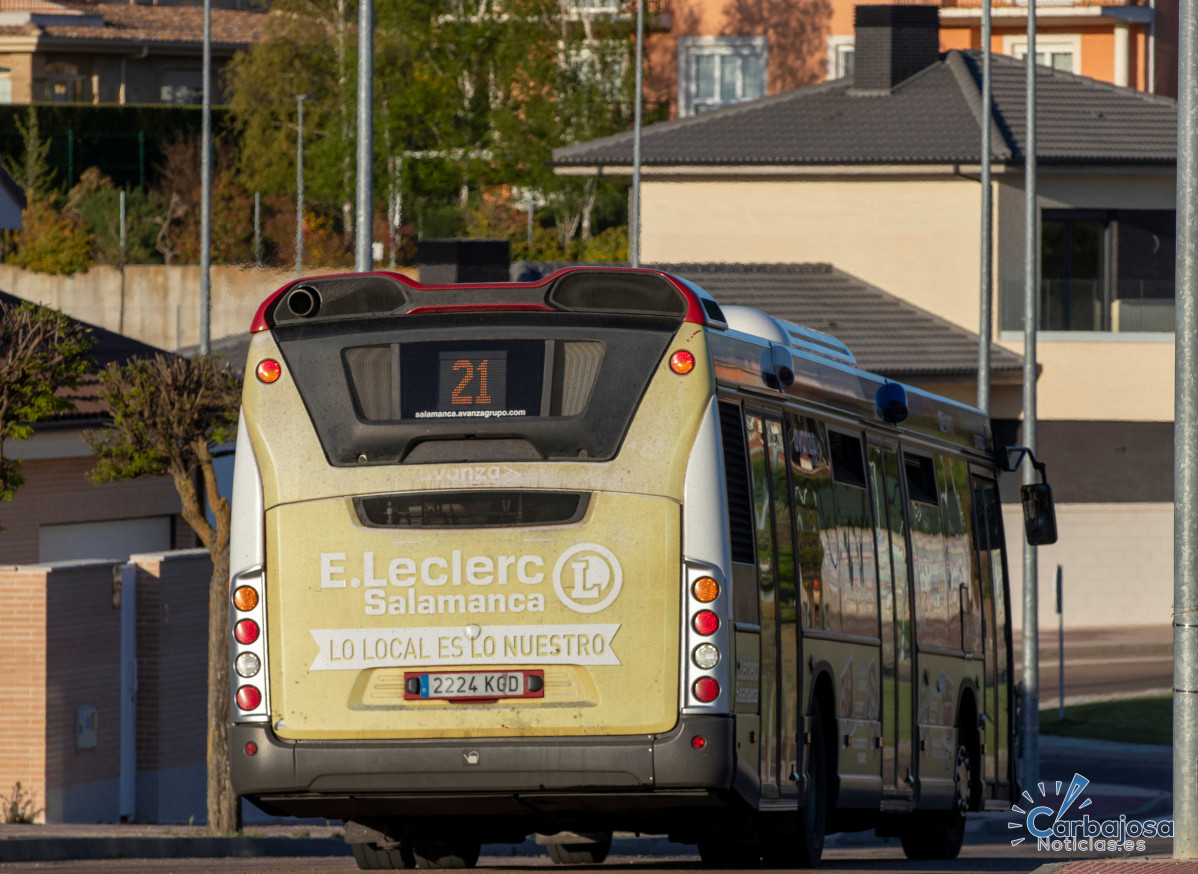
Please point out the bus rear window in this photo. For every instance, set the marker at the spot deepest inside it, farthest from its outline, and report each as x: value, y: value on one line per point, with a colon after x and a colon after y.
x: 525, y: 387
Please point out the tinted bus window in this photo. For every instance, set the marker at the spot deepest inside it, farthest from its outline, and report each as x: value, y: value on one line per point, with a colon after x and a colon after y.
x: 856, y: 578
x: 811, y: 475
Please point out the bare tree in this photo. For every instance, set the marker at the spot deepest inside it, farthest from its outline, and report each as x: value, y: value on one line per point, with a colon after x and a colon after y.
x: 168, y: 414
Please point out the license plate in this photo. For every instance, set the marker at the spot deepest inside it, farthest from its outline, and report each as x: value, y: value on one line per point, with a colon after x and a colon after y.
x: 473, y: 685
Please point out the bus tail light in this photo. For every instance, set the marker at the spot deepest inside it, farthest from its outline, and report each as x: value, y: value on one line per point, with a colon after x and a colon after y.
x: 248, y: 665
x: 706, y: 689
x: 249, y: 697
x: 269, y: 371
x: 705, y: 590
x: 705, y: 656
x: 245, y: 598
x: 246, y: 631
x: 682, y: 362
x: 705, y: 622
x: 251, y: 748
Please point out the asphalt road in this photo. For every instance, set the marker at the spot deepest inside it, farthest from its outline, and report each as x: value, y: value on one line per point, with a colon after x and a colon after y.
x: 980, y: 854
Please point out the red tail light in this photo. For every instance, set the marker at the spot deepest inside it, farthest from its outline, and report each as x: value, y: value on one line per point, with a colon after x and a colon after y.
x: 706, y: 689
x: 246, y: 631
x: 705, y: 622
x: 248, y: 697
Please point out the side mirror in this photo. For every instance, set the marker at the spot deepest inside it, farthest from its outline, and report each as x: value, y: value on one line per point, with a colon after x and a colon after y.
x: 1039, y: 514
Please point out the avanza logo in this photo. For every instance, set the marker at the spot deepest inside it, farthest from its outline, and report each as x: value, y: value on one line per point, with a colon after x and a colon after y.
x: 1054, y: 833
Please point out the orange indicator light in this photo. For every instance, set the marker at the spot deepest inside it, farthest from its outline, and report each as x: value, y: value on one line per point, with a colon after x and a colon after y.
x: 705, y: 589
x: 246, y: 598
x: 269, y: 370
x: 682, y: 362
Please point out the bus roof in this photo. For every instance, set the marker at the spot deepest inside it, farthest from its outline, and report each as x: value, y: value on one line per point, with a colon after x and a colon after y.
x: 752, y: 350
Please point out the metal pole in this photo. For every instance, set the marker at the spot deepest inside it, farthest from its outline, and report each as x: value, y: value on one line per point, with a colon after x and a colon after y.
x: 1185, y: 460
x: 530, y: 222
x: 206, y: 186
x: 1031, y: 300
x: 1060, y: 644
x: 257, y: 229
x: 124, y: 257
x: 364, y: 256
x: 634, y: 212
x: 299, y: 184
x: 984, y: 322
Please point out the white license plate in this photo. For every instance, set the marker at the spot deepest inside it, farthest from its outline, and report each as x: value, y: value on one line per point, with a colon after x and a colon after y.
x: 473, y: 685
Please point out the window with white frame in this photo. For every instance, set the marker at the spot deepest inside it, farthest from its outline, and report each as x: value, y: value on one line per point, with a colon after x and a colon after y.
x: 5, y: 85
x: 1058, y: 52
x: 715, y: 71
x: 842, y: 52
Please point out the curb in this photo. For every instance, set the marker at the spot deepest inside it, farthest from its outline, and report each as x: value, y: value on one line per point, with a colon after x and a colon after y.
x: 60, y: 849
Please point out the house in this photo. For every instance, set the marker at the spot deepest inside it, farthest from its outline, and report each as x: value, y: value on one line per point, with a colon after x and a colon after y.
x: 81, y: 51
x: 877, y: 173
x: 714, y: 53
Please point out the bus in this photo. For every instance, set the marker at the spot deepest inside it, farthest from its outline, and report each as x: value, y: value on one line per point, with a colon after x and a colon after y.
x: 594, y: 553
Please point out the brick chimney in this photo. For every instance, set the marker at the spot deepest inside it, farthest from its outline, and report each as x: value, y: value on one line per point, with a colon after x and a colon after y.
x: 893, y: 44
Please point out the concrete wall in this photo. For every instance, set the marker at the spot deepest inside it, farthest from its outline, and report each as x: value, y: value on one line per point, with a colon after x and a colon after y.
x: 160, y: 305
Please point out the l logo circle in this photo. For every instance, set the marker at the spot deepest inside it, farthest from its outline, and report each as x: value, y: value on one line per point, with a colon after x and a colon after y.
x: 587, y: 577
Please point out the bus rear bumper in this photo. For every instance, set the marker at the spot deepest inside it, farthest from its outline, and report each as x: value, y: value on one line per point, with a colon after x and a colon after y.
x: 528, y: 775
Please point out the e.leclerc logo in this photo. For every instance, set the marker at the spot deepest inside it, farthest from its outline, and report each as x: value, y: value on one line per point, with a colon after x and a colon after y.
x: 1046, y: 823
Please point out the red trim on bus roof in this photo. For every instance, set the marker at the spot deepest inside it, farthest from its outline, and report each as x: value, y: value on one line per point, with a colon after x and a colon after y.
x: 470, y: 307
x: 695, y: 313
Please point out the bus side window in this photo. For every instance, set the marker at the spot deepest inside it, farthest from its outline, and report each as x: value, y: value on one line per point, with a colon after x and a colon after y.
x: 927, y: 552
x: 854, y: 532
x: 965, y: 596
x: 811, y: 475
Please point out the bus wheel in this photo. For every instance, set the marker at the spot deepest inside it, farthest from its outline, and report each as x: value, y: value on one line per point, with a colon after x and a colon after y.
x: 371, y: 857
x: 940, y: 835
x: 593, y: 852
x: 445, y: 854
x: 813, y: 818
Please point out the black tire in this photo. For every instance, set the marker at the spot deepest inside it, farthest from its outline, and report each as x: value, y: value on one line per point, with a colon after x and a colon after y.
x: 371, y: 857
x: 443, y: 854
x: 730, y: 852
x: 808, y: 846
x: 581, y: 854
x: 939, y: 835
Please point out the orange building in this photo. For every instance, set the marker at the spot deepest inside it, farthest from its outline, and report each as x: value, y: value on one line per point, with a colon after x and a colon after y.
x: 712, y: 53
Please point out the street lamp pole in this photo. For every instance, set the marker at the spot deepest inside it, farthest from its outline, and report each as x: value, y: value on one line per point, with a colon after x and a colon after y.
x: 634, y: 217
x: 364, y: 254
x: 206, y: 187
x: 299, y: 184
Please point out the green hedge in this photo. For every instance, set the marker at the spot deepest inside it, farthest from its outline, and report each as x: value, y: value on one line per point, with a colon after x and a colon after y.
x: 123, y: 141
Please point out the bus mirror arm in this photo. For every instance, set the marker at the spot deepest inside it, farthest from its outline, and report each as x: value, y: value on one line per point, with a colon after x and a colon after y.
x: 1039, y: 511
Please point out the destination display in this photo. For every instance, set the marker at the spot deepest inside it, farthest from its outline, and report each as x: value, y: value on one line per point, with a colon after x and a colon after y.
x: 472, y: 379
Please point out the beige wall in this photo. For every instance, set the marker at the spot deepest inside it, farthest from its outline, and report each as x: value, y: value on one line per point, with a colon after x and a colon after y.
x: 1104, y: 379
x: 918, y: 238
x: 915, y: 238
x: 1116, y: 561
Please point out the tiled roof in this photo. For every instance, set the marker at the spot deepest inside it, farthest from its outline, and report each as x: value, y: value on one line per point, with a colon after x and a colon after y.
x: 887, y: 335
x: 165, y: 24
x: 932, y: 117
x: 109, y: 347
